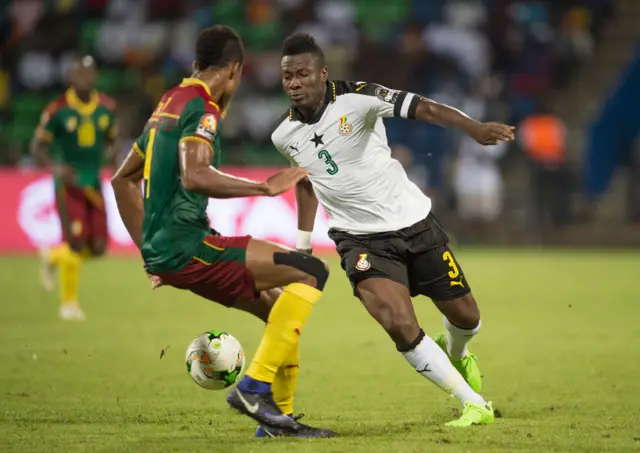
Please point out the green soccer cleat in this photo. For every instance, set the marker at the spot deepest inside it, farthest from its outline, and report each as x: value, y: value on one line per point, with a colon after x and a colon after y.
x: 466, y: 366
x: 474, y: 414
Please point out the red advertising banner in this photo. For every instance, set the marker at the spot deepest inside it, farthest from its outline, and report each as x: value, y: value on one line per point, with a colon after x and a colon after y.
x: 29, y: 219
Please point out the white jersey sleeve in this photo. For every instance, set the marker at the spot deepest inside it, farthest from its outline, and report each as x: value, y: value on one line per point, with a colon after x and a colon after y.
x: 280, y: 145
x: 384, y: 102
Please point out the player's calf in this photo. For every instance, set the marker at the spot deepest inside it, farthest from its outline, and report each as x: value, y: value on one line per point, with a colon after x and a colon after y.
x: 462, y: 322
x: 302, y: 277
x: 462, y: 312
x: 69, y: 274
x: 390, y: 304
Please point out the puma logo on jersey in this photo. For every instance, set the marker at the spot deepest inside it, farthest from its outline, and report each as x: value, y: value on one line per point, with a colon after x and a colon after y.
x: 453, y: 283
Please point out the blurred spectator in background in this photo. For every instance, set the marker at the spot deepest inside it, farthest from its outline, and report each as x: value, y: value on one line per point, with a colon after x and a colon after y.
x: 633, y: 188
x: 478, y: 187
x: 494, y: 59
x: 542, y: 136
x: 439, y: 48
x: 417, y: 173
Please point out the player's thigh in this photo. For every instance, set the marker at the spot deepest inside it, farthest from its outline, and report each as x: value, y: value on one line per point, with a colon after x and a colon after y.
x: 98, y: 234
x: 273, y: 266
x: 74, y: 216
x: 366, y: 257
x: 217, y: 272
x: 389, y: 303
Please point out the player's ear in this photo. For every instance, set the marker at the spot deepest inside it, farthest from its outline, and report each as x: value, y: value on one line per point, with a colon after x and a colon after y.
x: 194, y: 66
x: 324, y: 74
x: 233, y: 70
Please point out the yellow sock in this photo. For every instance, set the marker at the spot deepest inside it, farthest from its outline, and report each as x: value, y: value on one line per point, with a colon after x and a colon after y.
x: 69, y: 278
x: 284, y: 385
x: 287, y: 317
x: 58, y: 253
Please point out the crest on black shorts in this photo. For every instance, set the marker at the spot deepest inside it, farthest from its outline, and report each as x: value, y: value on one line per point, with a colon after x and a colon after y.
x: 363, y: 263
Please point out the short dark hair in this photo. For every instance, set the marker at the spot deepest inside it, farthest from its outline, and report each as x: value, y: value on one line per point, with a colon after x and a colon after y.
x: 218, y: 46
x: 299, y: 43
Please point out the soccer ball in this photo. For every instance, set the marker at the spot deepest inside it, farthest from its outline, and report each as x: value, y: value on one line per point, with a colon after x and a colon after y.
x: 215, y: 360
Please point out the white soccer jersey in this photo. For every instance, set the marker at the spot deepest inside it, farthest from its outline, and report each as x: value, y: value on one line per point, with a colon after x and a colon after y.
x: 345, y: 149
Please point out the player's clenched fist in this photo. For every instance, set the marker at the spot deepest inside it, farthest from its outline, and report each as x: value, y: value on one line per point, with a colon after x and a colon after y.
x: 284, y: 180
x: 492, y: 133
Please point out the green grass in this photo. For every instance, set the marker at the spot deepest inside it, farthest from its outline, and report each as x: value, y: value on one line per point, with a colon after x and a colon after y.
x: 559, y: 350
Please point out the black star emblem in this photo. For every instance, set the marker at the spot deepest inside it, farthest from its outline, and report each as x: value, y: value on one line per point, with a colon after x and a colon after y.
x: 317, y: 139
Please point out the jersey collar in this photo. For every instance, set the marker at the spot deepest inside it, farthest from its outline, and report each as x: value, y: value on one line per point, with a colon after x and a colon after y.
x: 329, y: 97
x: 85, y: 109
x: 193, y: 81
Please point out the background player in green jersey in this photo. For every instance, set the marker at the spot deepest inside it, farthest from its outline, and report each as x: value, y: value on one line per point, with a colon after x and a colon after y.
x: 168, y: 222
x: 76, y: 131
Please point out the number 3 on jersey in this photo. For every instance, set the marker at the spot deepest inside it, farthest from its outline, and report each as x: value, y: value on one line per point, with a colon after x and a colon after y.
x: 332, y: 167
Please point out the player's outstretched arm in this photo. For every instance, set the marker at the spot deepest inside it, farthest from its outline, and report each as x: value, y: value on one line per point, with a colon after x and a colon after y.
x: 447, y: 116
x: 197, y: 176
x: 127, y: 189
x: 307, y: 209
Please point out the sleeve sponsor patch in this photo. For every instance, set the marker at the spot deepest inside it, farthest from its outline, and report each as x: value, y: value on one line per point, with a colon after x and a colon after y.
x: 386, y: 95
x: 207, y: 126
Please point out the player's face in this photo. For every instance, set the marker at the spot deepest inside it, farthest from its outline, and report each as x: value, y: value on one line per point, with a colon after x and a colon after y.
x: 83, y: 78
x: 303, y: 78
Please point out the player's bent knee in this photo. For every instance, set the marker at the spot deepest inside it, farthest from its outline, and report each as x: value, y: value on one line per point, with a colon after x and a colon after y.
x: 308, y: 264
x: 464, y: 312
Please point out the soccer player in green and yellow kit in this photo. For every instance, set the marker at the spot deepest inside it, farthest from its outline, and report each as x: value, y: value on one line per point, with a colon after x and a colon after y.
x: 176, y: 157
x: 75, y: 133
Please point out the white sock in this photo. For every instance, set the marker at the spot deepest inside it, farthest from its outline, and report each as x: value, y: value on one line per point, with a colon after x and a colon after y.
x: 457, y: 339
x: 430, y: 361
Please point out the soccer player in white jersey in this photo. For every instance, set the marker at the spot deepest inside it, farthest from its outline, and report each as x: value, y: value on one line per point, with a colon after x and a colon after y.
x: 392, y: 246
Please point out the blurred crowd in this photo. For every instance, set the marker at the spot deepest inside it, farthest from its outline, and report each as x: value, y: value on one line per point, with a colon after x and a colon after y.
x: 494, y: 59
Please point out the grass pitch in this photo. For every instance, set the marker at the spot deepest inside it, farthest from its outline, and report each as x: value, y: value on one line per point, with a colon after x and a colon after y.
x: 559, y: 349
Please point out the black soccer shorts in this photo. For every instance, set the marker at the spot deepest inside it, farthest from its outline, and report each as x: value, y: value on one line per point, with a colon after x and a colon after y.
x: 418, y: 257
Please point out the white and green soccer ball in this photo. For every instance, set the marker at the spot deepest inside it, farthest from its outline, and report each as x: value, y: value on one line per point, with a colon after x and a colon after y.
x: 215, y: 360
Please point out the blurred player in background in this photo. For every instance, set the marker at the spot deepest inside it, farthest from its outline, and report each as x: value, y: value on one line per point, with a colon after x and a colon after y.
x: 76, y: 131
x: 392, y: 246
x: 168, y: 222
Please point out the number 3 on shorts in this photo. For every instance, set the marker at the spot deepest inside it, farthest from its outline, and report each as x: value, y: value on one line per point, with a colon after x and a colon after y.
x: 448, y: 257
